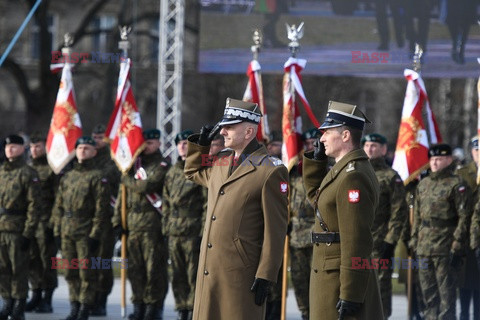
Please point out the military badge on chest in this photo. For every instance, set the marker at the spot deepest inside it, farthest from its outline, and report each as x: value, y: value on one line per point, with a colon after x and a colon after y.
x: 353, y: 196
x: 283, y: 187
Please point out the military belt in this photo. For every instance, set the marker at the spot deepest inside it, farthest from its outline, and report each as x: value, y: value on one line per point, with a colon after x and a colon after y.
x: 11, y: 212
x: 438, y: 223
x: 325, y: 237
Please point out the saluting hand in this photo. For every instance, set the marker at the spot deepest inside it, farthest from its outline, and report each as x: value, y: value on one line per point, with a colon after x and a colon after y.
x: 319, y: 150
x: 207, y: 134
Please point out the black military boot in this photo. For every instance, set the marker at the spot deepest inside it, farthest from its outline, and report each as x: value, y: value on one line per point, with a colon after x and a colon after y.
x: 182, y: 315
x: 34, y: 301
x: 100, y: 308
x: 138, y: 312
x: 84, y: 312
x: 150, y: 312
x: 7, y: 308
x: 190, y: 315
x: 18, y: 312
x: 45, y: 306
x: 74, y: 308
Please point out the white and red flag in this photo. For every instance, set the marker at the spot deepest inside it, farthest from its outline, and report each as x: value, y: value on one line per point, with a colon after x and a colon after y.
x: 124, y: 128
x: 254, y: 93
x: 65, y: 126
x: 414, y: 138
x: 291, y: 120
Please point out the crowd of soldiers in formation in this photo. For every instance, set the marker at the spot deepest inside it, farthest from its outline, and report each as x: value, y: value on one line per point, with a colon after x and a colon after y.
x: 73, y: 213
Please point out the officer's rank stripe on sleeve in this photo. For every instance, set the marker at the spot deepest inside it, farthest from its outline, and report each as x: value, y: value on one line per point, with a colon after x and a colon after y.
x: 353, y: 196
x: 283, y: 187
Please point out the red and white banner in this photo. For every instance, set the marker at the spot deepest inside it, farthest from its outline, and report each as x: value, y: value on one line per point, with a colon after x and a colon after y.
x: 124, y: 129
x: 414, y: 138
x: 254, y: 93
x: 65, y: 127
x: 291, y: 120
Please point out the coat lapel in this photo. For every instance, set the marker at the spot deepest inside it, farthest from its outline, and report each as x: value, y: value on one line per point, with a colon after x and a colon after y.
x: 248, y: 165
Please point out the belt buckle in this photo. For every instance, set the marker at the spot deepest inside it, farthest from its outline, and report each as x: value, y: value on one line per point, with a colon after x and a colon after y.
x: 328, y: 244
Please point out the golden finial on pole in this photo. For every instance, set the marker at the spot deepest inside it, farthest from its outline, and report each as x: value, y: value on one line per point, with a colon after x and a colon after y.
x: 294, y: 34
x: 257, y: 43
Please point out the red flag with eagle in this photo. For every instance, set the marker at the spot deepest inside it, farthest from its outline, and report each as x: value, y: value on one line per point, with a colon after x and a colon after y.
x: 65, y: 127
x: 291, y: 120
x: 124, y: 129
x: 254, y: 93
x: 414, y: 138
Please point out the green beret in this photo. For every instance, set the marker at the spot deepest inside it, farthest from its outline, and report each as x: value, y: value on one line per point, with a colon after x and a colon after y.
x: 13, y: 139
x: 310, y: 134
x: 85, y: 140
x: 37, y: 137
x: 374, y: 137
x: 275, y: 136
x: 151, y: 134
x: 99, y: 128
x: 183, y: 135
x: 438, y: 150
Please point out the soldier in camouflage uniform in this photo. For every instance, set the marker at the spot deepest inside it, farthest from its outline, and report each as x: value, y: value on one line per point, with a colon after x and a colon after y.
x: 440, y: 232
x: 390, y: 214
x: 469, y: 281
x: 20, y: 207
x: 80, y: 215
x: 183, y: 206
x: 42, y: 276
x: 147, y: 251
x: 104, y: 162
x: 302, y: 220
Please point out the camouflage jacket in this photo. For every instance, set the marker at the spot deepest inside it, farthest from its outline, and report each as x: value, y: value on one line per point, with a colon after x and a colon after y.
x: 104, y: 162
x: 469, y: 174
x: 183, y: 204
x: 392, y: 210
x: 141, y: 215
x: 441, y: 214
x: 20, y: 201
x: 48, y: 185
x: 80, y: 208
x: 302, y: 216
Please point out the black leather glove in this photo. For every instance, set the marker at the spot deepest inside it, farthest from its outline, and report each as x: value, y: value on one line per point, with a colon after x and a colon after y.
x: 93, y: 245
x: 455, y: 260
x: 347, y: 308
x: 207, y: 134
x: 118, y: 231
x: 58, y: 243
x: 319, y: 150
x: 260, y: 287
x: 24, y: 243
x: 387, y: 250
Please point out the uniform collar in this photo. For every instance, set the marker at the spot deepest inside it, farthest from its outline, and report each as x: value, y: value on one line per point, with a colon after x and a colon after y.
x: 378, y: 163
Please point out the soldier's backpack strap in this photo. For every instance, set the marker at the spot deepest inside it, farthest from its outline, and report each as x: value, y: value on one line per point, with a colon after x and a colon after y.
x: 317, y: 212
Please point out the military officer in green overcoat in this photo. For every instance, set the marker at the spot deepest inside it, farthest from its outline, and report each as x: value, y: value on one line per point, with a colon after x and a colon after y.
x: 344, y: 199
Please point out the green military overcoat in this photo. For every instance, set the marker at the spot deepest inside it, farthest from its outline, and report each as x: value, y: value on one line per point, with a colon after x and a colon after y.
x: 348, y: 197
x: 244, y: 231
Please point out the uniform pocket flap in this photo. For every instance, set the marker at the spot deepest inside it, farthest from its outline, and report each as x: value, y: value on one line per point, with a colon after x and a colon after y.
x: 331, y: 263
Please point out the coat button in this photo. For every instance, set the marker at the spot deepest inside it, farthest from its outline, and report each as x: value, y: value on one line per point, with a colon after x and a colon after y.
x: 222, y: 192
x: 209, y: 245
x: 214, y: 218
x: 205, y: 272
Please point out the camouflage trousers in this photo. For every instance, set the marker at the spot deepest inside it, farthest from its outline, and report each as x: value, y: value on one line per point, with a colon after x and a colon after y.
x: 300, y: 264
x: 147, y: 255
x: 104, y: 277
x: 438, y: 283
x: 41, y: 275
x: 13, y: 267
x: 385, y: 285
x: 81, y: 281
x: 184, y: 253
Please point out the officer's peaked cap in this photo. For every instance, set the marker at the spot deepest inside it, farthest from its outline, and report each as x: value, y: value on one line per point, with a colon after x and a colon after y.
x: 151, y: 134
x: 441, y: 149
x: 374, y: 137
x: 237, y: 111
x: 13, y: 139
x: 474, y: 142
x: 183, y: 135
x: 343, y: 114
x: 310, y: 134
x: 85, y: 140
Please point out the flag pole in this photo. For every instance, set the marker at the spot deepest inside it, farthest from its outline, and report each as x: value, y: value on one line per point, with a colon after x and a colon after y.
x: 124, y: 45
x: 417, y: 65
